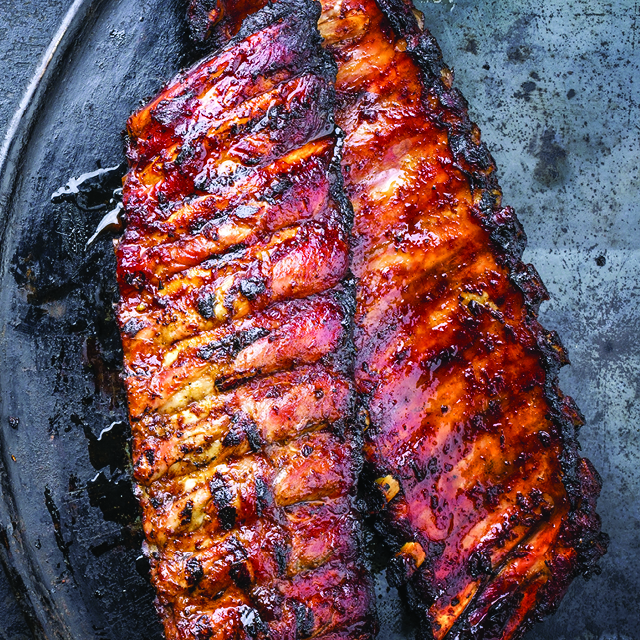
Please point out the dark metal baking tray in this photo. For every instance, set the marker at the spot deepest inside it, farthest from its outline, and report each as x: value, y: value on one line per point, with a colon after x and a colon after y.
x: 68, y: 535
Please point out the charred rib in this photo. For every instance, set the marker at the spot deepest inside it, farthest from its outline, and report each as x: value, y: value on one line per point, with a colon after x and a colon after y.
x: 236, y: 316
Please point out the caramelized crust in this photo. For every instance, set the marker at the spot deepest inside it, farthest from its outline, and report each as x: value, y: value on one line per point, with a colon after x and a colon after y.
x: 236, y: 318
x: 470, y: 439
x: 493, y: 513
x: 471, y: 447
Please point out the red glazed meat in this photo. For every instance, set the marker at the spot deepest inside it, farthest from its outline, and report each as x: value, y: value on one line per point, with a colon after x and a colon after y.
x: 236, y: 318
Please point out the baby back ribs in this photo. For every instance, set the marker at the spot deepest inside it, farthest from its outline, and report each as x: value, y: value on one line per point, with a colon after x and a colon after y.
x: 470, y: 442
x: 236, y: 323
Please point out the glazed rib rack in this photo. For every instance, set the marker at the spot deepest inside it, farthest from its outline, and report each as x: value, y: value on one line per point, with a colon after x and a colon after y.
x: 236, y: 318
x: 471, y: 442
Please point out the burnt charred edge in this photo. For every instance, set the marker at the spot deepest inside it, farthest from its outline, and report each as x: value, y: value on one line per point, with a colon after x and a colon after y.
x: 506, y: 232
x: 582, y: 528
x: 472, y: 156
x: 337, y: 189
x: 352, y: 430
x: 211, y: 23
x: 302, y: 15
x: 199, y: 19
x: 420, y: 609
x: 474, y: 160
x: 353, y: 425
x: 300, y: 21
x: 301, y: 34
x: 391, y: 531
x: 343, y: 358
x: 345, y: 292
x: 527, y: 279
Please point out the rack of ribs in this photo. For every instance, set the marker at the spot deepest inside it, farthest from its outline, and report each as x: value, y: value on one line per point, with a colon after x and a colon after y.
x: 470, y: 446
x: 236, y: 319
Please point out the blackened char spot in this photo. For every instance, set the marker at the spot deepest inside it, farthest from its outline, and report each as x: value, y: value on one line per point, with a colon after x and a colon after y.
x: 245, y: 338
x: 206, y: 303
x: 234, y: 436
x: 252, y: 622
x: 232, y: 345
x: 219, y: 490
x: 186, y: 513
x: 479, y: 564
x: 251, y: 288
x: 281, y: 554
x: 243, y: 428
x: 193, y: 571
x: 227, y: 517
x: 419, y: 469
x: 135, y: 279
x: 222, y: 498
x: 241, y: 575
x: 277, y: 188
x: 262, y: 495
x: 253, y: 436
x: 304, y: 619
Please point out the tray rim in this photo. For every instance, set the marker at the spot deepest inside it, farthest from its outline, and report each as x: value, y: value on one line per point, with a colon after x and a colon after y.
x: 31, y: 594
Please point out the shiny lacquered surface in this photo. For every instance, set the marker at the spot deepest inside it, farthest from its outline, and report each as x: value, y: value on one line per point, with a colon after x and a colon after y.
x: 470, y: 441
x: 235, y: 321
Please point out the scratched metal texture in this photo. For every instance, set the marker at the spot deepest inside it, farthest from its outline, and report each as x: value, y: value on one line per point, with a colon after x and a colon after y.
x: 554, y: 87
